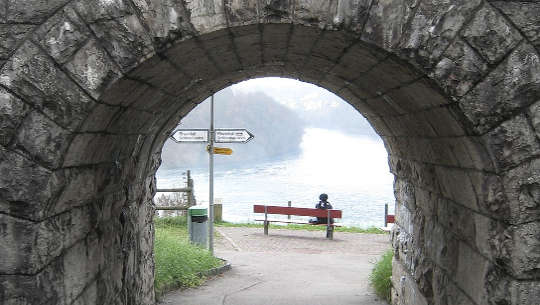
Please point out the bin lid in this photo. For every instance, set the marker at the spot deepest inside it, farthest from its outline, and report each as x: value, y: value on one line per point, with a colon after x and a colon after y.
x: 197, y: 211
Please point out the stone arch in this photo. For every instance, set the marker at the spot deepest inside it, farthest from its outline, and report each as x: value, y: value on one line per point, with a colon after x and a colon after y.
x: 90, y: 89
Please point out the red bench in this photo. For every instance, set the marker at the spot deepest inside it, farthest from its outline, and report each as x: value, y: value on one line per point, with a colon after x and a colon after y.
x: 280, y: 210
x: 388, y: 218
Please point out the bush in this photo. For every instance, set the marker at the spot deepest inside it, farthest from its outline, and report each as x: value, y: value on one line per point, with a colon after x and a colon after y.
x: 381, y: 274
x: 178, y: 263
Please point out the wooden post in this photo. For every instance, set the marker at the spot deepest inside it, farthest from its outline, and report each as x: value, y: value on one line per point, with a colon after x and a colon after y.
x: 289, y: 204
x: 329, y: 227
x: 265, y: 221
x: 385, y: 214
x: 190, y: 196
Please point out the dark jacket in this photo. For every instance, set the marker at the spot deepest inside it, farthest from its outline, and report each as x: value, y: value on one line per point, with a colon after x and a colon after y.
x: 324, y: 205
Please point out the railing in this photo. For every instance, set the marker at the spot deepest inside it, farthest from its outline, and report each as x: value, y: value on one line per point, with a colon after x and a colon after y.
x: 189, y: 190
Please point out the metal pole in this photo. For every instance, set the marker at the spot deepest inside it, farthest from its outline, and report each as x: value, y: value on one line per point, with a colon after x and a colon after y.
x: 211, y: 199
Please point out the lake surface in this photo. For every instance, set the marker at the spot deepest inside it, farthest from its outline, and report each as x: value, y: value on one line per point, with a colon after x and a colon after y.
x: 352, y: 170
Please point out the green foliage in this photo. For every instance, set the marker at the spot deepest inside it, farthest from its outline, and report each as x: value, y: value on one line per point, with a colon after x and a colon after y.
x: 371, y: 230
x: 380, y: 277
x: 177, y: 262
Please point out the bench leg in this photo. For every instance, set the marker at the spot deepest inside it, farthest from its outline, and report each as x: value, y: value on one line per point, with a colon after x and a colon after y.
x: 330, y: 232
x: 266, y: 227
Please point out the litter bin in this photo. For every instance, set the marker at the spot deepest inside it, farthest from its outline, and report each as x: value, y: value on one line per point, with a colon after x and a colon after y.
x: 198, y: 225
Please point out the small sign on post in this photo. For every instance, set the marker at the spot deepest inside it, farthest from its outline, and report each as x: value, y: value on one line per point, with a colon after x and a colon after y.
x: 220, y: 150
x: 190, y: 135
x: 233, y: 136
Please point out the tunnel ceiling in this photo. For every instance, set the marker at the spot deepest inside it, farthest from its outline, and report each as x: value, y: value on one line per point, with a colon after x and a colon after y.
x: 89, y: 91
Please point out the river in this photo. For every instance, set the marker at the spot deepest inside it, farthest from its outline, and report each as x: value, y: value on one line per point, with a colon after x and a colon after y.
x: 352, y: 170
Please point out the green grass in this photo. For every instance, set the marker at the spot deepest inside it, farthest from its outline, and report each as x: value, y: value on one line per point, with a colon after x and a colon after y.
x: 371, y: 230
x: 380, y: 277
x: 177, y: 262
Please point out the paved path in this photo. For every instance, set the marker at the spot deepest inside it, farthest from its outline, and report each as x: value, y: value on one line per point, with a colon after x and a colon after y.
x: 289, y: 267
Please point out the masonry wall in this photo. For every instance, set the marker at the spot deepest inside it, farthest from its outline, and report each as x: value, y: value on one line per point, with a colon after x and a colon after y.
x: 89, y: 91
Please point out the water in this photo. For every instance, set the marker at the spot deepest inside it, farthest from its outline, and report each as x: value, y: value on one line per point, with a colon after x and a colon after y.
x: 352, y: 170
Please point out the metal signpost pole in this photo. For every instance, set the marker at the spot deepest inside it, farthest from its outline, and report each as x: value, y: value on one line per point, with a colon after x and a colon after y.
x: 211, y: 183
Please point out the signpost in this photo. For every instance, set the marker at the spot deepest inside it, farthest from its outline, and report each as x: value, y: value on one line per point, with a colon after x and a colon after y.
x: 212, y: 136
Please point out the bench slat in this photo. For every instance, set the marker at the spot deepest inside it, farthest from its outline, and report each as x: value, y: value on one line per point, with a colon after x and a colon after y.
x: 272, y: 209
x: 335, y: 224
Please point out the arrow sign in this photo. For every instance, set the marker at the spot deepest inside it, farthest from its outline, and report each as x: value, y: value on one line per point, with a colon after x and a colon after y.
x: 220, y: 150
x: 232, y: 136
x: 190, y: 135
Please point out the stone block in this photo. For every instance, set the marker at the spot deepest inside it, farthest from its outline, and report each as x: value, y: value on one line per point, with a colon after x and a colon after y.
x: 167, y: 20
x: 472, y: 269
x: 314, y: 13
x: 92, y: 68
x: 512, y: 142
x: 275, y: 38
x: 46, y: 286
x: 280, y: 11
x: 193, y: 61
x: 386, y: 22
x: 457, y: 185
x: 223, y: 51
x: 441, y: 247
x: 125, y: 91
x: 25, y: 187
x: 87, y: 149
x: 490, y: 194
x: 161, y: 74
x: 81, y: 264
x: 521, y: 250
x: 62, y: 35
x: 206, y: 15
x: 357, y: 59
x: 432, y: 28
x: 417, y: 96
x: 405, y: 286
x: 404, y: 193
x: 118, y: 30
x: 11, y: 36
x: 32, y: 76
x: 30, y: 12
x: 89, y: 296
x: 444, y: 121
x: 522, y: 188
x: 99, y: 118
x: 43, y: 139
x: 534, y: 115
x: 249, y: 49
x: 514, y: 84
x: 352, y: 14
x: 525, y: 15
x: 459, y: 69
x: 490, y: 34
x: 12, y: 112
x: 132, y: 121
x: 240, y: 12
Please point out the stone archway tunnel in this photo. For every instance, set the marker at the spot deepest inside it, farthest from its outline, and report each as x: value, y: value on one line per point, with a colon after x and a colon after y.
x: 90, y: 89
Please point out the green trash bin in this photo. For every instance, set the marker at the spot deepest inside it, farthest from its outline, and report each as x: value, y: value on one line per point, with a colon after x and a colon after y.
x: 198, y: 225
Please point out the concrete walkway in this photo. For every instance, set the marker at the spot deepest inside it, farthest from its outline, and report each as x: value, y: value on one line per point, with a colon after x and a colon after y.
x: 289, y: 267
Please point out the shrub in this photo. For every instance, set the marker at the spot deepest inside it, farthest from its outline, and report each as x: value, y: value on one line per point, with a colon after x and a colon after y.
x: 380, y: 277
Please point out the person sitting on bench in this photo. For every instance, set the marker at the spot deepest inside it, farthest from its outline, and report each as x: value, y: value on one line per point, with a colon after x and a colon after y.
x: 323, y: 205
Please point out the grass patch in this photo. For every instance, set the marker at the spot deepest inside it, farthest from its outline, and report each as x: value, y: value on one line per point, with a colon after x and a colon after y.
x: 178, y: 263
x: 371, y: 230
x: 380, y: 277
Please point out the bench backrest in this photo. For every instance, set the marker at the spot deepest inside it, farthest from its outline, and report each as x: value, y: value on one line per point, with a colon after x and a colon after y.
x: 273, y: 209
x: 390, y: 218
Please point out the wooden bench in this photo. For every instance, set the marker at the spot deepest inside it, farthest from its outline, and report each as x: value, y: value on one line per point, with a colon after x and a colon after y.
x: 280, y: 210
x: 388, y: 218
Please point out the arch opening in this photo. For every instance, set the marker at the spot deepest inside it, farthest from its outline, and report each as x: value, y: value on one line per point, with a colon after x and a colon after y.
x: 85, y: 124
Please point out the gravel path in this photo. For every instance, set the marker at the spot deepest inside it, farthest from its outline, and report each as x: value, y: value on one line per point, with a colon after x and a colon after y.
x: 289, y: 267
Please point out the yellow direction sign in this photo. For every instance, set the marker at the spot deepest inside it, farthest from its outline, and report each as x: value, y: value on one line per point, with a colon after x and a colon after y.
x: 220, y: 150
